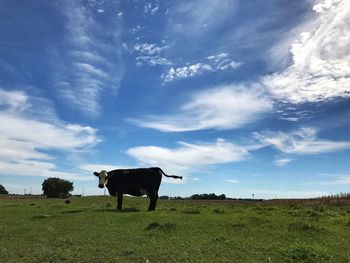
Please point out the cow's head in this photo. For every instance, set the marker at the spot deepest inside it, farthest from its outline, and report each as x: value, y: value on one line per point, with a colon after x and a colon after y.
x: 102, y: 178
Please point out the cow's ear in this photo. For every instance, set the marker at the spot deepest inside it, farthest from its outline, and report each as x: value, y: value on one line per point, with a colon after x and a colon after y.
x: 96, y: 173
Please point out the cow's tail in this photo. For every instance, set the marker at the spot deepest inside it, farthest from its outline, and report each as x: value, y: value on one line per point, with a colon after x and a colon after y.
x: 173, y: 176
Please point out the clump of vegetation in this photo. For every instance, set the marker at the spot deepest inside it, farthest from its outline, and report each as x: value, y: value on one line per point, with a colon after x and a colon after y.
x: 237, y: 225
x: 162, y: 227
x: 72, y: 211
x: 305, y: 227
x: 218, y: 211
x: 57, y: 188
x: 304, y: 253
x: 208, y: 197
x: 41, y: 216
x: 192, y: 211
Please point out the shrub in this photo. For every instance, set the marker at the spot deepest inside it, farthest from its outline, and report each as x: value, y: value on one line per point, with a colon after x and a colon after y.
x: 57, y: 188
x: 3, y: 191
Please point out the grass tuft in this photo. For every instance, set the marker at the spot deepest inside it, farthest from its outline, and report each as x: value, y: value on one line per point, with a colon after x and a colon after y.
x: 237, y: 225
x: 162, y: 227
x: 76, y: 211
x: 218, y: 211
x: 305, y: 253
x: 192, y: 211
x: 42, y: 216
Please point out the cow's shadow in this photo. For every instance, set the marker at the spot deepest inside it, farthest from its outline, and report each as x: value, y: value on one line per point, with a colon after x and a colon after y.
x: 125, y: 210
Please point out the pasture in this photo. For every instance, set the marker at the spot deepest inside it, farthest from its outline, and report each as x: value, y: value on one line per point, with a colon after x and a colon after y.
x: 89, y: 229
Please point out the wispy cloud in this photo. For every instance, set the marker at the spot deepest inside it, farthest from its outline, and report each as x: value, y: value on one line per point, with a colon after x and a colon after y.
x: 302, y: 141
x: 149, y: 49
x: 91, y: 62
x: 333, y: 179
x: 27, y: 141
x: 151, y: 8
x: 150, y: 54
x: 225, y: 107
x: 188, y: 156
x: 282, y: 162
x: 215, y: 63
x: 193, y: 18
x: 320, y: 67
x: 97, y: 167
x: 232, y: 181
x: 186, y: 71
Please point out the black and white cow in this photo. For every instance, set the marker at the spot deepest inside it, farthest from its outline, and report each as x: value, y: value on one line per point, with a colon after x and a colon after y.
x: 136, y: 182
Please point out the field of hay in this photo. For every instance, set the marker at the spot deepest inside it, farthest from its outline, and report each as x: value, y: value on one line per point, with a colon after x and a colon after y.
x: 89, y: 229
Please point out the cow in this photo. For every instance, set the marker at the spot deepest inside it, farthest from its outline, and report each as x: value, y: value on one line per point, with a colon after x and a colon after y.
x: 136, y: 182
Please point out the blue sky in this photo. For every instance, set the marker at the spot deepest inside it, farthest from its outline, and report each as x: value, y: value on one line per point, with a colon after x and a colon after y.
x: 239, y: 97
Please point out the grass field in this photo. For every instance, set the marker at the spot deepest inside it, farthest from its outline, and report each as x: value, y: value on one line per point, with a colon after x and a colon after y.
x: 90, y: 230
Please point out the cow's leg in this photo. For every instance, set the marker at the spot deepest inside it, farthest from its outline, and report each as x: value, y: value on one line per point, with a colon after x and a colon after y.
x: 153, y: 201
x: 120, y: 201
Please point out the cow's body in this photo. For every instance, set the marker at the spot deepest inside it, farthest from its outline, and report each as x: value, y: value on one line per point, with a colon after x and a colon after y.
x: 136, y: 182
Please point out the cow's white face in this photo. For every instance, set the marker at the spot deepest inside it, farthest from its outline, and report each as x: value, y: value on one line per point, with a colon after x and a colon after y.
x: 102, y: 178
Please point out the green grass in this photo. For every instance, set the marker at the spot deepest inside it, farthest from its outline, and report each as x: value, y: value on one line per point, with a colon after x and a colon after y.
x: 90, y: 230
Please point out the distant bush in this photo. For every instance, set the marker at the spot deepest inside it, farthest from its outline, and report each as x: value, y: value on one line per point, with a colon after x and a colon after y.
x: 208, y: 197
x: 164, y: 197
x: 3, y: 191
x: 340, y: 196
x: 57, y: 188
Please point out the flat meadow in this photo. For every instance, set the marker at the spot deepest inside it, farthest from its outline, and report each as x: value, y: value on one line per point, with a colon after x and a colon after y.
x: 89, y: 229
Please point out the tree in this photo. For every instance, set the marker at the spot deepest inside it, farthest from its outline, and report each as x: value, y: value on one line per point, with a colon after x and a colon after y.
x: 3, y: 191
x: 57, y: 188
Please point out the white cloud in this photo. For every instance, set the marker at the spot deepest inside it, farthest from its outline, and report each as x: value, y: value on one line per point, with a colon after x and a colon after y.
x: 302, y: 141
x: 190, y: 17
x: 186, y: 71
x: 149, y: 49
x: 320, y: 66
x: 232, y: 181
x: 188, y: 156
x: 87, y: 67
x: 26, y: 140
x: 152, y: 60
x: 334, y: 179
x: 13, y: 100
x: 224, y: 107
x: 151, y: 8
x: 151, y: 54
x: 213, y: 63
x: 282, y: 162
x: 97, y: 167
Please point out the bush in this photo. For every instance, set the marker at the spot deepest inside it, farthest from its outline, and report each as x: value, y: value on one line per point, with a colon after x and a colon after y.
x: 208, y: 197
x: 57, y: 188
x: 3, y: 191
